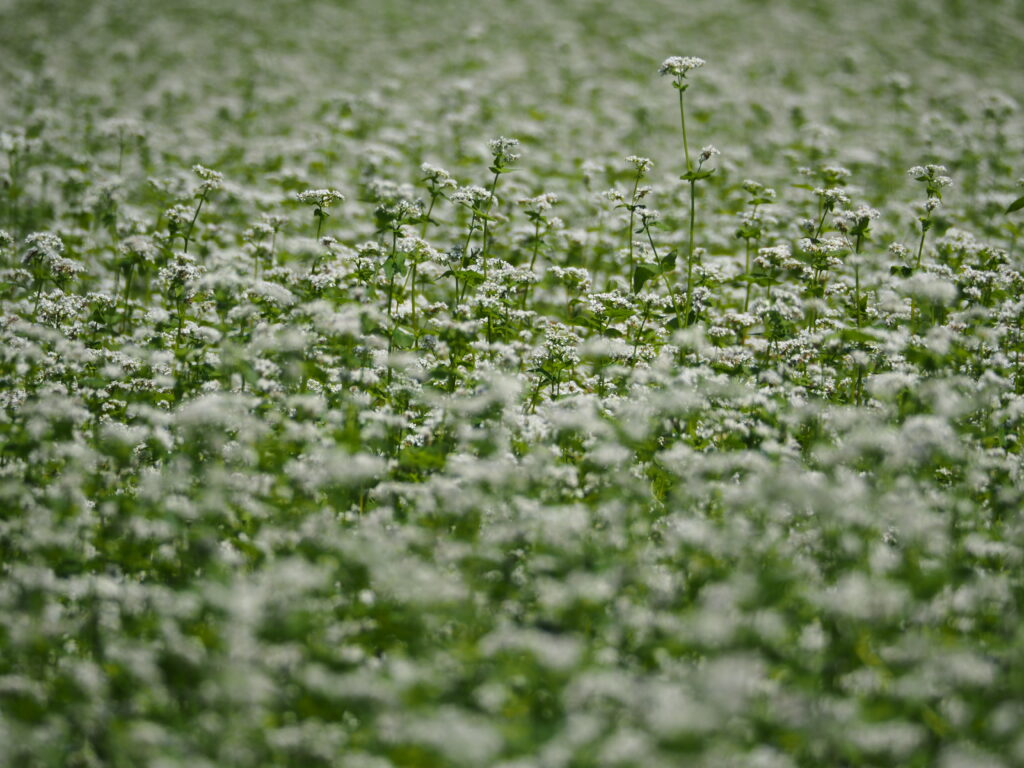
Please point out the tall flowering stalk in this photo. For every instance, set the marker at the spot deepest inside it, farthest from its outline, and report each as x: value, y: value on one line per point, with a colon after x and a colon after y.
x: 857, y: 224
x: 321, y: 200
x: 438, y: 181
x: 677, y: 67
x: 470, y: 198
x: 751, y: 228
x: 210, y: 181
x: 934, y: 178
x: 536, y: 210
x: 44, y: 259
x: 642, y: 165
x: 504, y: 155
x: 392, y: 219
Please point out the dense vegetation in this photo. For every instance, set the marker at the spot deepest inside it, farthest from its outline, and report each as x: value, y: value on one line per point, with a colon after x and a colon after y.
x: 682, y: 428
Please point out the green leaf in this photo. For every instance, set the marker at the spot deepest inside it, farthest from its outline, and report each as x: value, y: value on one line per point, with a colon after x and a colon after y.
x: 642, y: 274
x: 402, y: 337
x: 469, y: 276
x: 586, y: 319
x: 857, y: 336
x: 481, y: 215
x: 696, y: 175
x: 668, y: 261
x: 762, y: 280
x: 1016, y: 205
x: 394, y: 265
x: 618, y: 313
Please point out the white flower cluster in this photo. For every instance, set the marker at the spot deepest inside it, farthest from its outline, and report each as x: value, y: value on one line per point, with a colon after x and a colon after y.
x: 321, y: 198
x: 678, y: 66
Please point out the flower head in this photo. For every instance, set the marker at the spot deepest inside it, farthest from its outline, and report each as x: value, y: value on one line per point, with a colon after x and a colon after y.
x: 321, y: 198
x: 210, y: 180
x: 678, y: 66
x: 776, y: 257
x: 540, y: 203
x: 503, y: 150
x: 759, y: 193
x: 856, y: 222
x: 643, y: 165
x: 469, y: 196
x: 933, y: 177
x: 437, y: 178
x: 138, y: 249
x: 42, y: 246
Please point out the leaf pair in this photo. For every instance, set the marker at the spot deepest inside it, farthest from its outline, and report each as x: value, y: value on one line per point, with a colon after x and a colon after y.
x: 394, y: 264
x: 645, y: 272
x: 692, y: 176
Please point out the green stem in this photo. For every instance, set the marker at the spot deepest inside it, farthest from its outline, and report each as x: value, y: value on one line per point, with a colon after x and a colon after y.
x: 533, y: 260
x: 917, y: 266
x: 412, y: 294
x: 191, y: 224
x: 664, y: 277
x: 689, y: 251
x: 639, y: 332
x: 814, y: 312
x: 682, y: 122
x: 629, y: 234
x: 920, y: 245
x: 39, y: 296
x: 426, y: 219
x: 127, y: 298
x: 821, y: 224
x: 856, y: 290
x: 465, y: 256
x: 391, y: 280
x: 856, y: 280
x: 487, y: 219
x: 746, y: 274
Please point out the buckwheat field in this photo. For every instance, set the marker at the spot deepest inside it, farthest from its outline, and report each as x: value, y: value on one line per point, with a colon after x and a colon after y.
x: 511, y: 385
